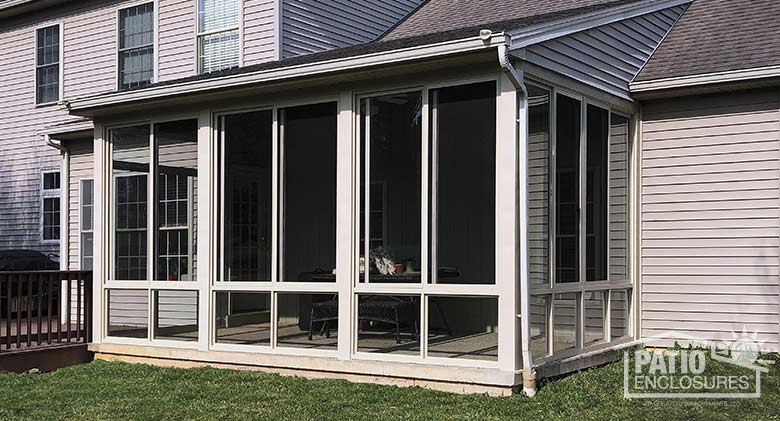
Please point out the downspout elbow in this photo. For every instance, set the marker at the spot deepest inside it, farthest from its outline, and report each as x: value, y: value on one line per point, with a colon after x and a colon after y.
x: 516, y: 76
x: 55, y: 144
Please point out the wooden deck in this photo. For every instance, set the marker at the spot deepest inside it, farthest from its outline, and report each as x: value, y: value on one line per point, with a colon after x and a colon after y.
x: 45, y: 319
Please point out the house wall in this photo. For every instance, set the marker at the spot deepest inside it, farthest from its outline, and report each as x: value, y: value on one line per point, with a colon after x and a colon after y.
x: 81, y: 163
x: 309, y: 26
x: 709, y: 215
x: 607, y: 57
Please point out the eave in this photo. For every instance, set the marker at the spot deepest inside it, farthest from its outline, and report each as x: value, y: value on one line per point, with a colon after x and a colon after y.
x: 88, y: 106
x: 733, y: 76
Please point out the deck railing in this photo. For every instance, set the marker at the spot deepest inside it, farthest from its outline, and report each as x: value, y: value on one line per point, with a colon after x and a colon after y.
x: 45, y: 308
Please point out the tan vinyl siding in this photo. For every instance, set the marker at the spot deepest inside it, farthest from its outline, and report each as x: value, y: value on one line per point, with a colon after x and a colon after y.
x: 607, y: 57
x: 176, y: 39
x: 710, y: 254
x: 259, y: 42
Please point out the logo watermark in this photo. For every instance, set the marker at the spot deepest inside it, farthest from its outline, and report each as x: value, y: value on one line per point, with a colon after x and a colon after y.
x: 706, y: 370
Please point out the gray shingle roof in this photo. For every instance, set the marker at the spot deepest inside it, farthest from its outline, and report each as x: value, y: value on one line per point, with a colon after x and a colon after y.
x: 436, y: 16
x: 718, y: 36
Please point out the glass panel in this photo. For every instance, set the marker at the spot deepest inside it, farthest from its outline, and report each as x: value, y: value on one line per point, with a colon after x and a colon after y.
x: 308, y: 151
x: 619, y: 321
x: 389, y: 324
x: 597, y: 183
x: 87, y: 204
x: 130, y: 169
x: 393, y: 206
x: 539, y: 185
x: 51, y: 181
x: 539, y: 328
x: 48, y: 64
x: 243, y: 318
x: 51, y: 218
x: 308, y: 321
x: 594, y: 316
x: 465, y: 183
x: 176, y: 315
x: 564, y: 322
x: 214, y: 15
x: 128, y: 313
x: 463, y: 327
x: 136, y: 45
x: 177, y: 200
x: 48, y: 79
x: 218, y: 51
x: 86, y: 250
x: 247, y: 196
x: 567, y: 196
x: 618, y: 198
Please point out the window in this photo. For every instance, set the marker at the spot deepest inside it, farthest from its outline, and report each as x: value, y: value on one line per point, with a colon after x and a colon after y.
x: 136, y: 46
x: 47, y: 63
x: 176, y: 219
x: 87, y: 192
x: 50, y: 202
x: 130, y: 174
x: 218, y: 35
x: 391, y: 208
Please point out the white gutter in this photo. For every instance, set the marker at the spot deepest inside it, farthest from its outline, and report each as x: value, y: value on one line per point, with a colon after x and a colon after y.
x: 527, y: 36
x: 705, y: 79
x: 517, y: 78
x: 477, y: 43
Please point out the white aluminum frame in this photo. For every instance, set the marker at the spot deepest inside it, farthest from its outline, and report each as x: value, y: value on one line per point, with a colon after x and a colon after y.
x: 583, y: 286
x: 107, y: 237
x: 82, y: 231
x: 57, y: 193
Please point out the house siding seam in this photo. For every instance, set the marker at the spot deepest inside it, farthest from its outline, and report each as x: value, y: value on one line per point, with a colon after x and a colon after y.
x: 607, y: 57
x: 710, y: 217
x: 310, y: 26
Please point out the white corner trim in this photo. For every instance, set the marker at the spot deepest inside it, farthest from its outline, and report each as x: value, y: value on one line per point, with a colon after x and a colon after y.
x: 705, y: 79
x: 533, y: 35
x: 75, y: 105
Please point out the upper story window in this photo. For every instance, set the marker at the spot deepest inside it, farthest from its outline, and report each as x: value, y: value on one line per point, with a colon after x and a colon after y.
x: 47, y: 63
x: 218, y: 35
x: 136, y: 46
x: 50, y: 198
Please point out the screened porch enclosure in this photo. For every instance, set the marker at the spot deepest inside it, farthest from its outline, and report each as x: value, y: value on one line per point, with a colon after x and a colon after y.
x: 383, y: 226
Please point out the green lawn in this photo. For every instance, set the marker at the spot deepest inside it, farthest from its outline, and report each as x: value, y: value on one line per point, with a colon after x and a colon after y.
x: 117, y: 391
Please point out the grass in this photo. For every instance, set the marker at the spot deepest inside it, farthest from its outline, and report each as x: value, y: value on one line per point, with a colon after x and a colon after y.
x: 118, y: 391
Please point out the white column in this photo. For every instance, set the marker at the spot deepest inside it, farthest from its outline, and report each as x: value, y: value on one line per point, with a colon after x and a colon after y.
x: 100, y: 237
x: 345, y: 221
x: 507, y: 279
x: 207, y: 223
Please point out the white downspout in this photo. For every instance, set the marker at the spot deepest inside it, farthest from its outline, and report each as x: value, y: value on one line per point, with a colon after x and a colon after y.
x: 517, y: 78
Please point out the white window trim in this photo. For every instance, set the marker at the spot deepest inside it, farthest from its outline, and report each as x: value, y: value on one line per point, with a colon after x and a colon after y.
x: 198, y: 34
x: 61, y: 75
x: 155, y: 40
x: 50, y: 194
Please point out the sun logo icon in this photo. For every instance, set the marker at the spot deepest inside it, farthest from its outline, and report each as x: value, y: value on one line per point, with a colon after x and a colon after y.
x: 742, y: 349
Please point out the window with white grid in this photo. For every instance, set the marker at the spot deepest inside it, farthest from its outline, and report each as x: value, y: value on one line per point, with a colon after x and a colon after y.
x: 136, y: 46
x: 218, y: 35
x: 47, y: 63
x: 50, y: 206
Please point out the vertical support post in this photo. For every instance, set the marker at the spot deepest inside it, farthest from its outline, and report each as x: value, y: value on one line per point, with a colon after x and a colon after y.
x: 345, y: 220
x: 529, y: 375
x: 101, y: 154
x: 207, y: 223
x: 506, y: 226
